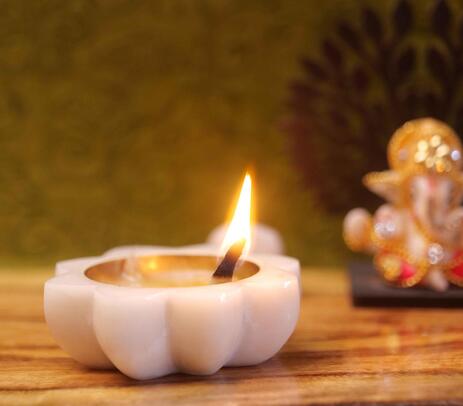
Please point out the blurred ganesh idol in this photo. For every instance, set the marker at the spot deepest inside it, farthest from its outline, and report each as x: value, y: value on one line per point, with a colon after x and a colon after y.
x: 416, y: 237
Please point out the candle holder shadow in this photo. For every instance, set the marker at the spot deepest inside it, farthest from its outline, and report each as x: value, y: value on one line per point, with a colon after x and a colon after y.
x: 169, y: 315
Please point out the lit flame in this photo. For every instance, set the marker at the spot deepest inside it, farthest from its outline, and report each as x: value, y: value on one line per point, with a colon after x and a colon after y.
x: 240, y: 225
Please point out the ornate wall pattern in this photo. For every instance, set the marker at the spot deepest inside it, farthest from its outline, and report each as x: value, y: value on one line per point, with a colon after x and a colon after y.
x: 372, y: 73
x: 132, y: 121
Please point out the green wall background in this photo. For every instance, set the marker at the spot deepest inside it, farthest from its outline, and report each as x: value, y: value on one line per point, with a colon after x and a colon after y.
x: 133, y: 122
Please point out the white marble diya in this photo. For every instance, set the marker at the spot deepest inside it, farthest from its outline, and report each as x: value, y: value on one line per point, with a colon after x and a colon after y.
x: 153, y: 311
x: 171, y: 317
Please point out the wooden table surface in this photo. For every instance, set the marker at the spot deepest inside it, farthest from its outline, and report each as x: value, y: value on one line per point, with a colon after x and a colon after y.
x: 338, y: 355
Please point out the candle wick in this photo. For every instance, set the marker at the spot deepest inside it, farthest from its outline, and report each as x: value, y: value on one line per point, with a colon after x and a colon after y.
x: 227, y: 266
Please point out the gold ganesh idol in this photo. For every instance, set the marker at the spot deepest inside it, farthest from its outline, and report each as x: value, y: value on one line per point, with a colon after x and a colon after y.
x: 416, y: 237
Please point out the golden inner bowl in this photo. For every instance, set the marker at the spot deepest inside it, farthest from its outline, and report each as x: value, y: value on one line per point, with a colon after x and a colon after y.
x: 165, y: 271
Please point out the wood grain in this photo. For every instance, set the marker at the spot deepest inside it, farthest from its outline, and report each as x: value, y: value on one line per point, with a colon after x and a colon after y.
x: 338, y: 355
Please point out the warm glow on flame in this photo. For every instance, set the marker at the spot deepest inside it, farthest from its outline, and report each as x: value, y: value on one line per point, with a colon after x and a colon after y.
x: 240, y: 225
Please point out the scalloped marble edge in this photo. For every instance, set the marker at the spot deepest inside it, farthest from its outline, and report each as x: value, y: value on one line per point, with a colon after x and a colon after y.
x: 151, y: 332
